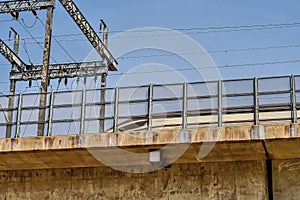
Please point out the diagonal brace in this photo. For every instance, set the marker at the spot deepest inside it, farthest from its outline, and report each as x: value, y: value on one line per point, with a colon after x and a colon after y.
x: 10, y: 55
x: 90, y: 33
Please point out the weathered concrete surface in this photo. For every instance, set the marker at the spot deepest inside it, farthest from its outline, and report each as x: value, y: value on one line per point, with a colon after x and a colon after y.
x: 286, y: 179
x: 234, y: 144
x: 139, y: 155
x: 73, y: 167
x: 283, y: 148
x: 227, y: 180
x: 163, y: 137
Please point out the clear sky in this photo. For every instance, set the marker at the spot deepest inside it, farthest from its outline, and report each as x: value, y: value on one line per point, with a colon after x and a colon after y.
x: 259, y: 44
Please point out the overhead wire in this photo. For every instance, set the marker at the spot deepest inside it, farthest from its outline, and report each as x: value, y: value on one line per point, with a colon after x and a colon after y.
x: 93, y: 97
x: 216, y: 29
x: 4, y: 115
x: 206, y: 28
x: 31, y: 113
x: 69, y: 127
x: 208, y: 67
x: 204, y: 52
x: 212, y: 51
x: 33, y: 37
x: 29, y: 26
x: 279, y: 25
x: 67, y: 53
x: 26, y: 51
x: 264, y: 26
x: 210, y: 29
x: 199, y: 32
x: 260, y: 26
x: 6, y: 20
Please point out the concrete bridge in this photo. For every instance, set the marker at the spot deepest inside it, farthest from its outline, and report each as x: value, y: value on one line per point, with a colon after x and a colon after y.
x: 242, y: 151
x: 95, y: 167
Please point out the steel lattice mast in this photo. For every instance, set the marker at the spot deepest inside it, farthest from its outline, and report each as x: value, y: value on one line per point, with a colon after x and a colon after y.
x: 46, y: 71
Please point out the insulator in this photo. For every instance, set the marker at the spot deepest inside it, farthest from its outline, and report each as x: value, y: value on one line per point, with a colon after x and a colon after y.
x: 34, y: 13
x: 14, y: 14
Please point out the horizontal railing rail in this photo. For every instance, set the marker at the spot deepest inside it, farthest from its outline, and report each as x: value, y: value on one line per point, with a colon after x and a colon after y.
x: 154, y: 107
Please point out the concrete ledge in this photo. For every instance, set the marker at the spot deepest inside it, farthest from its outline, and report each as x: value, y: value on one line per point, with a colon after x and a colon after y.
x: 233, y: 144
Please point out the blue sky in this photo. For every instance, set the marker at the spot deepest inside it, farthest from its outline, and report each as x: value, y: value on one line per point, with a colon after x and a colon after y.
x: 124, y: 15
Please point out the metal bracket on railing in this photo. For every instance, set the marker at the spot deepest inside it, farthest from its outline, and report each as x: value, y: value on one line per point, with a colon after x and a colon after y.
x: 184, y: 136
x: 258, y: 132
x: 293, y: 130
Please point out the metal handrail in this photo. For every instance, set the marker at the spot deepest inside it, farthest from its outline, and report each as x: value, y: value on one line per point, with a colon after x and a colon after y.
x: 178, y: 106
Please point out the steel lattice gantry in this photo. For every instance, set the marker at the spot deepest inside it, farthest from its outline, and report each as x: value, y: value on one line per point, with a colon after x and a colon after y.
x: 12, y: 57
x: 89, y: 32
x: 24, y: 72
x: 25, y: 5
x: 79, y: 19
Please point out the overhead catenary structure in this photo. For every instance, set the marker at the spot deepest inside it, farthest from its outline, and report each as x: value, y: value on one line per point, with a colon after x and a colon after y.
x: 23, y: 72
x: 27, y: 72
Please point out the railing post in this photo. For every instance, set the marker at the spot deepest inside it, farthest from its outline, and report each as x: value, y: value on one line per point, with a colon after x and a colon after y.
x: 102, y: 102
x: 19, y: 114
x: 257, y: 131
x: 220, y: 109
x: 255, y: 102
x: 82, y: 121
x: 11, y: 103
x: 150, y: 107
x: 50, y: 114
x: 184, y: 107
x: 116, y: 110
x: 293, y: 100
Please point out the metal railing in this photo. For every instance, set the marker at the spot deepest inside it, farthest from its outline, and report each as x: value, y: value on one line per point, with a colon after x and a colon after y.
x: 153, y: 107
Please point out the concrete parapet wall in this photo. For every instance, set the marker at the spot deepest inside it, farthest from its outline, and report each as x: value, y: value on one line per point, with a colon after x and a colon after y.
x: 286, y: 179
x: 162, y: 137
x: 235, y: 143
x: 227, y: 180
